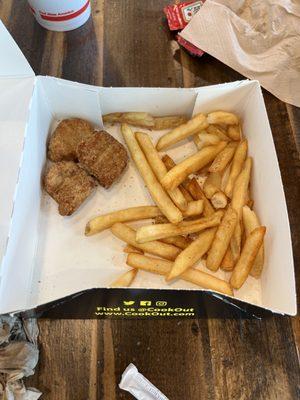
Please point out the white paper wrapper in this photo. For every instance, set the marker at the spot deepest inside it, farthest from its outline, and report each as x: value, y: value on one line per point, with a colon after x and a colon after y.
x: 139, y: 386
x: 259, y: 39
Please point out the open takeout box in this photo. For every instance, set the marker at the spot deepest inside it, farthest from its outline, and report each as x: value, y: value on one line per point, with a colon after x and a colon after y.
x: 46, y: 259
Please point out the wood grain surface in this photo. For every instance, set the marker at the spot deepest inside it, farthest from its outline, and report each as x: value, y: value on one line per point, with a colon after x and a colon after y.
x: 127, y: 43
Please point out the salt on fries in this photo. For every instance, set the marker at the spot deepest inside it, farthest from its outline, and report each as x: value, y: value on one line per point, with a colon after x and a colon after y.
x: 186, y: 208
x: 163, y: 267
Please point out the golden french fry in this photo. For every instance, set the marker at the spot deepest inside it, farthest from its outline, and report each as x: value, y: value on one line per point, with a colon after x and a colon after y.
x: 163, y: 267
x: 212, y: 184
x: 126, y: 279
x: 132, y: 249
x: 219, y: 200
x: 236, y: 166
x: 203, y: 139
x: 161, y: 219
x: 223, y: 158
x: 196, y: 124
x: 102, y: 222
x: 249, y: 252
x: 141, y: 119
x: 195, y: 190
x: 251, y: 222
x: 127, y: 234
x: 168, y: 122
x: 234, y: 132
x: 159, y: 167
x: 239, y: 193
x: 169, y: 163
x: 161, y: 231
x: 195, y: 207
x: 222, y: 117
x: 222, y: 239
x: 227, y: 263
x: 217, y: 131
x: 192, y: 254
x: 158, y: 194
x: 112, y: 118
x: 190, y: 165
x: 181, y: 242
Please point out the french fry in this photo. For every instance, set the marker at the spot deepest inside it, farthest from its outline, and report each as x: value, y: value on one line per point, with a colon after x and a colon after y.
x: 212, y: 184
x: 169, y: 163
x: 249, y: 252
x: 222, y: 239
x: 181, y: 242
x: 158, y: 194
x: 223, y: 158
x: 127, y: 234
x: 126, y: 279
x: 219, y: 200
x: 194, y: 208
x: 222, y: 117
x: 196, y: 192
x: 192, y: 254
x: 163, y: 267
x: 102, y: 222
x: 159, y: 168
x: 217, y: 131
x: 227, y: 263
x: 190, y: 165
x: 169, y: 122
x: 203, y: 139
x: 132, y: 249
x: 161, y: 231
x: 251, y: 222
x: 236, y: 166
x: 234, y: 132
x: 239, y: 193
x: 196, y: 124
x: 141, y: 119
x: 160, y: 219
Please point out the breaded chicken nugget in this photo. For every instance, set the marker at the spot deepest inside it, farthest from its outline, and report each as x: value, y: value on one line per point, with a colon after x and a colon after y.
x: 66, y: 137
x: 69, y: 185
x: 103, y: 157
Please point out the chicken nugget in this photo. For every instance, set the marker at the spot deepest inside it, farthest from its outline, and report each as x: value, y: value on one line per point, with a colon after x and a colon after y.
x: 66, y: 137
x: 103, y: 157
x: 69, y: 185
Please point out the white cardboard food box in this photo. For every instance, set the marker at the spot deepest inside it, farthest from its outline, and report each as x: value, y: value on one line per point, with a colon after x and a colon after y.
x: 46, y: 257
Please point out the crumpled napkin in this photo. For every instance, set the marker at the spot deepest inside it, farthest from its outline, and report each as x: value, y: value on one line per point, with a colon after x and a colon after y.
x: 259, y: 39
x: 18, y: 357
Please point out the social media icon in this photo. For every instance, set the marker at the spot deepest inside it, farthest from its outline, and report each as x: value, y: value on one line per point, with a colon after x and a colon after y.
x: 128, y: 302
x: 161, y: 303
x: 144, y: 303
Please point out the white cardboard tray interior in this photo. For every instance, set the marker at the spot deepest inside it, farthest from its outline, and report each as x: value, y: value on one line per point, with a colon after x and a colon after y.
x: 46, y: 256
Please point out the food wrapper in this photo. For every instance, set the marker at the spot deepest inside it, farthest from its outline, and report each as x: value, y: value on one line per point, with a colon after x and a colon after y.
x: 139, y: 386
x: 259, y: 39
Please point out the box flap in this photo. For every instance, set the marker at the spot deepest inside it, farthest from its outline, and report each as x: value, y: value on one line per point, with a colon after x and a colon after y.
x: 13, y: 62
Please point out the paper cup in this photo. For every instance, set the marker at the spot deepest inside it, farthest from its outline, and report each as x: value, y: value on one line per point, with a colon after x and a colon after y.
x: 60, y: 15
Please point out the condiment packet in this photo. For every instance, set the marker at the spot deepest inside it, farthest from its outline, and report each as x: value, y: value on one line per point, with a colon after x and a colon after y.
x: 135, y: 383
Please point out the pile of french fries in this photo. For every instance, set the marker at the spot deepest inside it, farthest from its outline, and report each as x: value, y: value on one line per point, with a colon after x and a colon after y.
x: 212, y: 222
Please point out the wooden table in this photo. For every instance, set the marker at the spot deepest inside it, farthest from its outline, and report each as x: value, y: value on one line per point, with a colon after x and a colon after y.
x: 127, y: 43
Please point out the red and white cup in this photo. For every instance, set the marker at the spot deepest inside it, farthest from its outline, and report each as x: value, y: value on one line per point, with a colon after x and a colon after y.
x: 60, y: 15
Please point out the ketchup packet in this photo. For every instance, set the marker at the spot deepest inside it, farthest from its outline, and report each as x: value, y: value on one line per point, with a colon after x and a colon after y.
x: 178, y: 16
